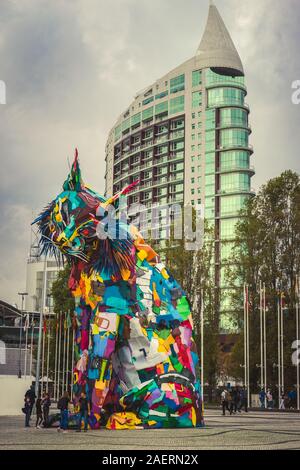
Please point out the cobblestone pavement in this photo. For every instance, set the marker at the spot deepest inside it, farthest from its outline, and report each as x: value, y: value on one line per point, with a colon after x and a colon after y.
x: 255, y: 430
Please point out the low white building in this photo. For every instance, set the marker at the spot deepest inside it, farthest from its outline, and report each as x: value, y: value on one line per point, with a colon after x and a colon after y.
x: 35, y: 272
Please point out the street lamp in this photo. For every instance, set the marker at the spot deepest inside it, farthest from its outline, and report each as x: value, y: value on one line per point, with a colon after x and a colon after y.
x: 23, y: 295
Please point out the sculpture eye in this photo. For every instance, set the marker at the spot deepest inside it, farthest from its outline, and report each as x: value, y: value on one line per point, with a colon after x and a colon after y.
x: 65, y: 213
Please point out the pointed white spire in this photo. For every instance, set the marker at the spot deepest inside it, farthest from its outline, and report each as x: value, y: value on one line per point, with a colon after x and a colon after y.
x: 216, y: 49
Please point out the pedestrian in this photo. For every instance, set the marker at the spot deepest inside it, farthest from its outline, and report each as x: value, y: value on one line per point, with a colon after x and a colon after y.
x: 39, y: 413
x: 83, y: 412
x: 224, y: 401
x: 230, y: 402
x: 235, y: 399
x: 63, y: 405
x: 281, y: 403
x: 269, y: 400
x: 46, y: 405
x: 262, y: 398
x: 243, y: 400
x: 30, y: 395
x: 27, y: 411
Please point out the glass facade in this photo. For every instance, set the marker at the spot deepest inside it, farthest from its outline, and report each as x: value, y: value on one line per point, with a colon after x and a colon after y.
x: 191, y: 131
x: 225, y: 96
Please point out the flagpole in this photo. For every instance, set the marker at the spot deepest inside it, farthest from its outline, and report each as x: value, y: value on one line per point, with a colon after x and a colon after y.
x: 248, y: 348
x: 31, y: 347
x: 48, y: 356
x: 72, y: 365
x: 279, y: 351
x: 261, y: 337
x: 202, y: 345
x: 64, y: 354
x: 297, y: 337
x: 59, y: 354
x: 245, y: 338
x: 26, y: 344
x: 55, y: 359
x: 68, y: 345
x: 282, y: 345
x: 43, y: 358
x: 265, y: 341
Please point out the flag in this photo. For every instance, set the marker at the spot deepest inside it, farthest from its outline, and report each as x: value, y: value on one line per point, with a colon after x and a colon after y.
x: 67, y: 322
x: 45, y: 325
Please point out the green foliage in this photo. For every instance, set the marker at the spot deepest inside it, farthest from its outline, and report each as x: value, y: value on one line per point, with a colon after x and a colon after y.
x: 63, y: 299
x: 267, y: 250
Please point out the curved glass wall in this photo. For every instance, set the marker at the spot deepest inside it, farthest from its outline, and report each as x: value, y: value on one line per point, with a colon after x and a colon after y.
x: 234, y: 159
x: 231, y: 205
x: 231, y: 117
x: 225, y: 96
x: 235, y: 182
x: 234, y: 138
x: 213, y: 78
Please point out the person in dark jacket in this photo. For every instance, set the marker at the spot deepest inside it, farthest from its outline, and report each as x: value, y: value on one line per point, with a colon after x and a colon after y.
x: 39, y: 413
x: 63, y: 405
x: 27, y: 411
x: 31, y: 396
x: 46, y: 405
x: 83, y: 412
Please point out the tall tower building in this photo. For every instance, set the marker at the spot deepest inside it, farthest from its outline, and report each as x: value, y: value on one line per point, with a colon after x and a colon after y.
x: 185, y: 137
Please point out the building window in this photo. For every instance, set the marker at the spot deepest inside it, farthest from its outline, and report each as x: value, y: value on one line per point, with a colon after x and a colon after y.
x: 147, y: 113
x: 177, y: 84
x: 235, y: 182
x: 161, y: 108
x: 196, y: 99
x: 225, y: 96
x: 162, y: 95
x: 234, y: 138
x: 177, y: 105
x: 196, y: 78
x: 148, y: 100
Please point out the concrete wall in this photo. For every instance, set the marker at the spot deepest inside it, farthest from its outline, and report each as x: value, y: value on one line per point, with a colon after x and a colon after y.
x: 12, y: 391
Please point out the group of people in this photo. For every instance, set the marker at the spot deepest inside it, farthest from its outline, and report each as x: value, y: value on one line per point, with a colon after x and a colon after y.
x: 83, y: 412
x: 286, y: 401
x: 234, y: 400
x: 42, y: 407
x: 42, y: 404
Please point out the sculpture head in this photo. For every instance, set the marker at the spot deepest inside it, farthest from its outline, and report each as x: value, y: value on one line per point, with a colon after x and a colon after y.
x: 70, y: 225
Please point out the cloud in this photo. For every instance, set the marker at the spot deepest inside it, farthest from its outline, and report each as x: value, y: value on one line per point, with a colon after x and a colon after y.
x: 71, y: 67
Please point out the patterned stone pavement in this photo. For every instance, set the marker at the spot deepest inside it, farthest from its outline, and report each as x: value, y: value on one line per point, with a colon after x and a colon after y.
x: 252, y: 431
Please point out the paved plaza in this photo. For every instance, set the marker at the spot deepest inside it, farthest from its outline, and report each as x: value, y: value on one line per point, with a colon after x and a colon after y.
x: 255, y: 430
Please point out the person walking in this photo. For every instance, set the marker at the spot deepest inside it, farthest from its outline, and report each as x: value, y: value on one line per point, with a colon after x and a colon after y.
x: 39, y: 413
x: 230, y: 402
x: 244, y: 400
x: 224, y: 401
x: 27, y: 411
x: 63, y: 405
x: 30, y: 395
x: 282, y: 402
x: 269, y: 400
x: 262, y: 397
x: 235, y: 399
x: 46, y: 406
x: 83, y: 412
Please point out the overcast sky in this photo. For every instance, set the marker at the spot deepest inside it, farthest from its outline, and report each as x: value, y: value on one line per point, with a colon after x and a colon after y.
x: 72, y: 66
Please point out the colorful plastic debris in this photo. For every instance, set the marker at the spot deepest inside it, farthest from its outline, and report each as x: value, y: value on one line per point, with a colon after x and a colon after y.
x: 136, y: 357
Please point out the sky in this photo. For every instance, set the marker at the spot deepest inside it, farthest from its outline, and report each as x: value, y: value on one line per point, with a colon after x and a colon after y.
x: 71, y: 67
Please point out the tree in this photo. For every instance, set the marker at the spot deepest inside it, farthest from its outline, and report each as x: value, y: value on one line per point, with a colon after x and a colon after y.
x: 193, y: 270
x: 267, y: 249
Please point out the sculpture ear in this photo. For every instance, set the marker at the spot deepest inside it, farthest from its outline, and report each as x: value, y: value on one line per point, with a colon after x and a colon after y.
x: 74, y: 181
x: 112, y: 200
